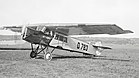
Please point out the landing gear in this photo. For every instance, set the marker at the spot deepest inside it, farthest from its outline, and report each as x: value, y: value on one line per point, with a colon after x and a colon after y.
x: 33, y: 54
x: 47, y: 53
x: 48, y: 56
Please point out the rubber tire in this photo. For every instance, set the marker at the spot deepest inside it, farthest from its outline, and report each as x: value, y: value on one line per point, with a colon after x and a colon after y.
x: 33, y: 54
x: 48, y: 56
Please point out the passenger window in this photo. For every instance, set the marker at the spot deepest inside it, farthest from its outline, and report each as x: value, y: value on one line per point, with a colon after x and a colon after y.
x: 61, y: 38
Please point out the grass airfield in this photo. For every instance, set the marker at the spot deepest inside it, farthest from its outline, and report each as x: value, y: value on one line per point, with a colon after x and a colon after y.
x: 120, y: 62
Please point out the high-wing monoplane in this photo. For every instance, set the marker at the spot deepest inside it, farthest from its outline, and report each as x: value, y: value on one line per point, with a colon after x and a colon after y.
x: 58, y: 36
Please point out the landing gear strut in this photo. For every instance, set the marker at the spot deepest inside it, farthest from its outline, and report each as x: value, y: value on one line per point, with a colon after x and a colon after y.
x: 35, y: 52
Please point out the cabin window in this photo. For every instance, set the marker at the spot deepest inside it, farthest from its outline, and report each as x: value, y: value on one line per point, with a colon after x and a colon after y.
x: 61, y: 38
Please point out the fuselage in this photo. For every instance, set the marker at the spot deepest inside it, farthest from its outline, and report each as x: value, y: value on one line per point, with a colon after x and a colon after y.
x: 54, y: 39
x: 72, y: 44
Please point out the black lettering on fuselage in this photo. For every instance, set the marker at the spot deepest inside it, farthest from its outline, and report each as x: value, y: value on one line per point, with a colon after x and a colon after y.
x: 61, y: 38
x: 82, y: 46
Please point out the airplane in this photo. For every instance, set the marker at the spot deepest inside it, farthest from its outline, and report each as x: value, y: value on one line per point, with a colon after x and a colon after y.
x: 59, y: 36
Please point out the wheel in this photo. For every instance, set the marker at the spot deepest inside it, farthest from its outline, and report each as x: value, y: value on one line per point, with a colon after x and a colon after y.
x: 48, y: 56
x: 33, y: 54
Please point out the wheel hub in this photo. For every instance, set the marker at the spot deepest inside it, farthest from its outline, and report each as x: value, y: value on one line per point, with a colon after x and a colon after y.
x: 48, y: 56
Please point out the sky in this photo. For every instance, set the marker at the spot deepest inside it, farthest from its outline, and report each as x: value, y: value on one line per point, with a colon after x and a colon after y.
x: 123, y: 13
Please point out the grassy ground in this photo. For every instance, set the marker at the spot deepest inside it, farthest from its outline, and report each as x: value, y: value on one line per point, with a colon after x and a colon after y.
x: 120, y: 62
x: 117, y: 63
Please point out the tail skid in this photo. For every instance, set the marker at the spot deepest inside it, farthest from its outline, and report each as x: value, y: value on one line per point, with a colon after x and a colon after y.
x: 103, y: 47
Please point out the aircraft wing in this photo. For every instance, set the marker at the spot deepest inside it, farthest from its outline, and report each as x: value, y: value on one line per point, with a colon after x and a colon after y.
x: 14, y: 28
x: 78, y: 29
x: 85, y: 29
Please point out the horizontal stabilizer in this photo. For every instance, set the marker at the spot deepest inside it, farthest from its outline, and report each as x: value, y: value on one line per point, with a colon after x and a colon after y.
x: 103, y: 47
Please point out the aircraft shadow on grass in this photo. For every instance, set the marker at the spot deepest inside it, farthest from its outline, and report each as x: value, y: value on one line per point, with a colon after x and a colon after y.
x: 56, y: 57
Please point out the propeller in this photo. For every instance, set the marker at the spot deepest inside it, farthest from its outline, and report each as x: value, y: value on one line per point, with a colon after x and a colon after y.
x: 23, y: 33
